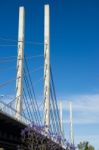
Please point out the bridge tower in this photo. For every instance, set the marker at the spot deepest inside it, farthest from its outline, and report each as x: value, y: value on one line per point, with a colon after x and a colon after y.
x: 71, y: 124
x: 61, y: 117
x: 46, y: 68
x: 20, y: 60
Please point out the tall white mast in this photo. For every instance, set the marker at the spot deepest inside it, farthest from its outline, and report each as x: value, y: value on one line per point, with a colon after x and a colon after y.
x: 71, y: 124
x: 20, y: 59
x: 61, y: 117
x: 47, y: 67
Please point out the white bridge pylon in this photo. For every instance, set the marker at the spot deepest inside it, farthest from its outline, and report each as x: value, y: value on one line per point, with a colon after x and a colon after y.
x: 20, y: 61
x: 46, y: 68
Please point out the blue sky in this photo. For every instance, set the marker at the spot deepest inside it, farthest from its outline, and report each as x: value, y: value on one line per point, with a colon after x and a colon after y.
x: 74, y: 55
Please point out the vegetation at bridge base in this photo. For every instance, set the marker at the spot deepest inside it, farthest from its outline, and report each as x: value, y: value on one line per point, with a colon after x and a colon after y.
x: 85, y: 146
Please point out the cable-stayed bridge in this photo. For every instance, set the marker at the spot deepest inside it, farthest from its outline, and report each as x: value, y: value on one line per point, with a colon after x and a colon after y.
x: 27, y: 123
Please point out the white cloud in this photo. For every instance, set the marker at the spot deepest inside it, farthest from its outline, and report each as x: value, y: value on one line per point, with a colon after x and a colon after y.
x: 85, y: 108
x: 86, y: 114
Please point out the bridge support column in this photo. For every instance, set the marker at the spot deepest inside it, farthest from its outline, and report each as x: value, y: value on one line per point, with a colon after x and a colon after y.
x: 20, y: 60
x: 61, y: 117
x: 47, y: 68
x: 71, y: 124
x: 61, y: 121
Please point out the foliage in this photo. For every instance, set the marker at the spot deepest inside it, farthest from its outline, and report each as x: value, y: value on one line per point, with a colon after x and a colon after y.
x: 85, y: 146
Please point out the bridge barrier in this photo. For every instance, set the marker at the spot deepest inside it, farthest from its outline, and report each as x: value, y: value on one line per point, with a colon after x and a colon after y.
x: 11, y: 112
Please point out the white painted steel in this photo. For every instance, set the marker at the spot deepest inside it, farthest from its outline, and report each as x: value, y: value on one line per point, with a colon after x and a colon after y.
x: 47, y: 68
x: 61, y: 117
x: 20, y: 60
x: 71, y: 124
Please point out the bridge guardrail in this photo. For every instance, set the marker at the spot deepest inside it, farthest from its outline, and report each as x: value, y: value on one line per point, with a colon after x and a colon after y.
x: 8, y: 110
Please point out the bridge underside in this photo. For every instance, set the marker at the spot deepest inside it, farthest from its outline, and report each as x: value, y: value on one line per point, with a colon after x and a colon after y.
x: 10, y: 130
x: 10, y: 134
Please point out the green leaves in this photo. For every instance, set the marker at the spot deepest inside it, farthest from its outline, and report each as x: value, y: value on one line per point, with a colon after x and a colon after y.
x: 85, y: 146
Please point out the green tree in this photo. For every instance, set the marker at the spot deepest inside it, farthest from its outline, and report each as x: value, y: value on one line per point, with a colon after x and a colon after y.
x: 91, y: 147
x: 85, y: 146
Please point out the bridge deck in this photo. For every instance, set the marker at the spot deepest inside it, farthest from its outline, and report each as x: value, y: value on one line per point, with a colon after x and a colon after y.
x: 10, y: 130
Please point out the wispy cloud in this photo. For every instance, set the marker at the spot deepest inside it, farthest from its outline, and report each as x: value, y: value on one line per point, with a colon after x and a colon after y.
x: 85, y: 108
x: 85, y: 114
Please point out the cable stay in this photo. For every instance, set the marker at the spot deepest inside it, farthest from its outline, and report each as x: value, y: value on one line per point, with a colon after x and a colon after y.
x: 7, y: 69
x: 30, y: 97
x: 55, y: 106
x: 13, y: 58
x: 53, y: 120
x: 36, y: 56
x: 14, y: 79
x: 31, y: 90
x: 7, y: 45
x: 16, y: 41
x: 12, y: 109
x: 25, y: 100
x: 14, y: 68
x: 7, y: 82
x: 7, y: 61
x: 7, y: 57
x: 33, y: 71
x: 55, y: 115
x: 11, y: 102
